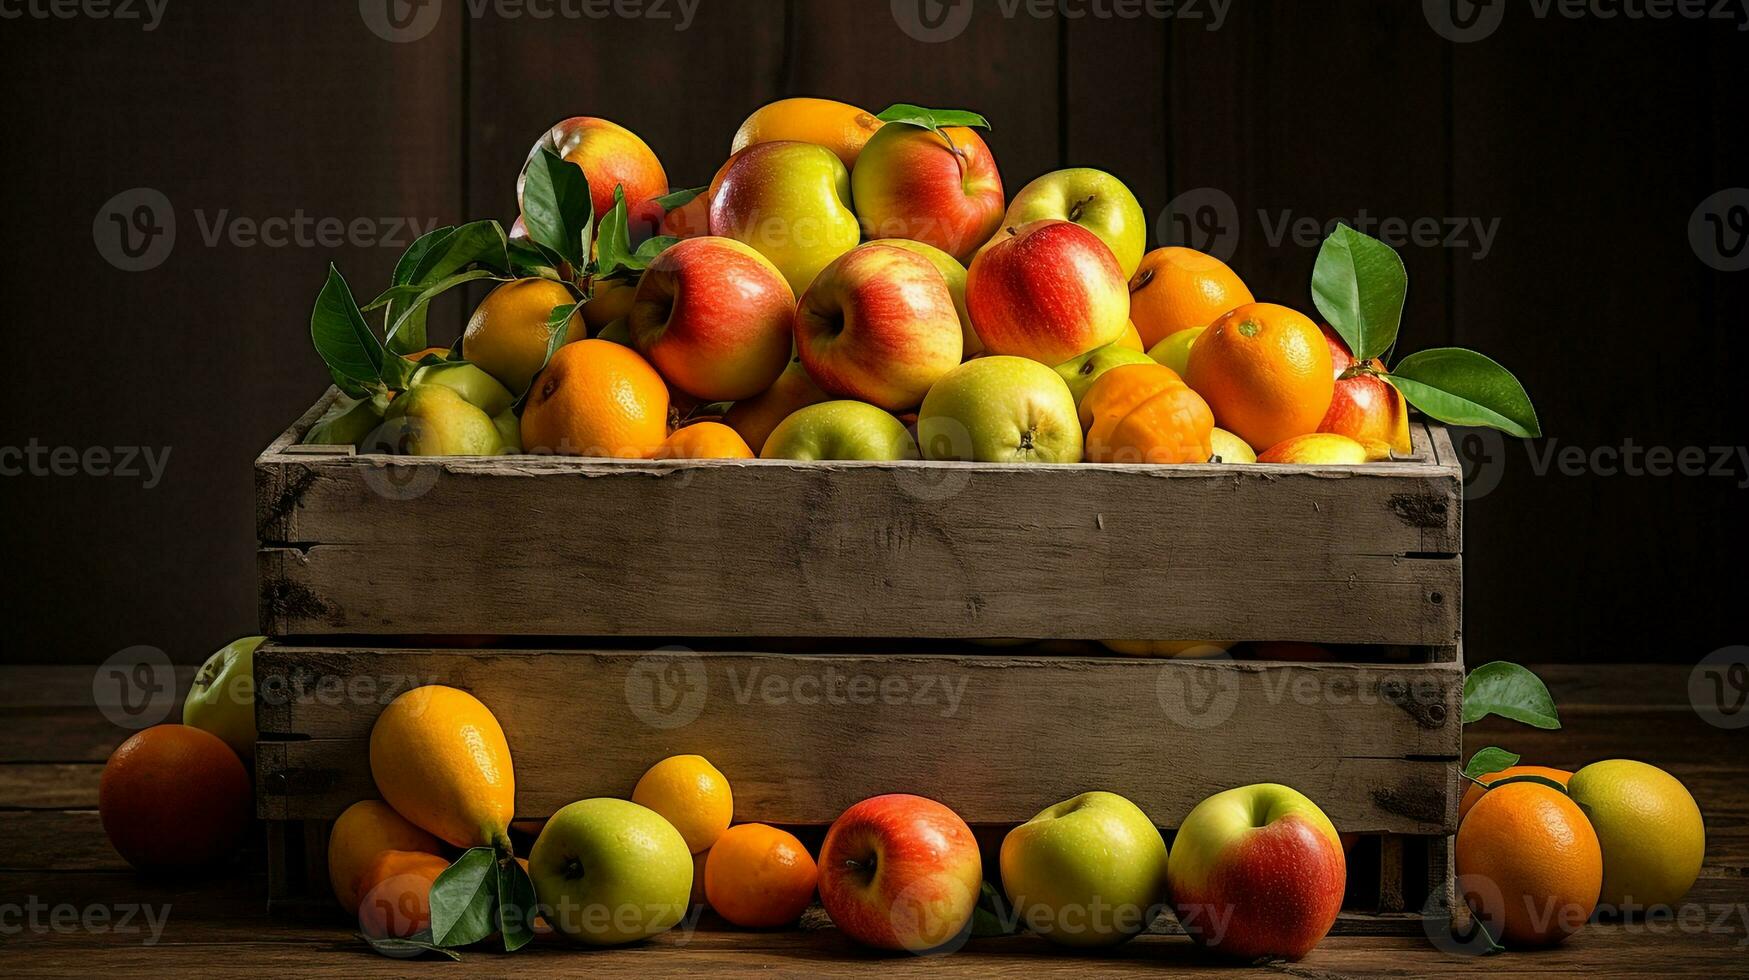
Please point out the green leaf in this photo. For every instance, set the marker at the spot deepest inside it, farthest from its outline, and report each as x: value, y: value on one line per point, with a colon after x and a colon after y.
x: 1462, y: 387
x: 408, y: 266
x: 679, y: 199
x: 464, y: 899
x: 556, y: 206
x: 347, y: 385
x: 1510, y: 691
x: 342, y: 338
x: 516, y: 905
x: 1360, y: 285
x: 652, y: 247
x: 932, y: 119
x: 418, y: 303
x: 418, y: 945
x: 1489, y: 760
x: 475, y: 243
x: 613, y: 244
x: 532, y: 260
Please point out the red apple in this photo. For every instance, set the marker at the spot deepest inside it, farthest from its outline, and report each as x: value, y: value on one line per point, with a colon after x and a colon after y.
x: 1257, y: 871
x: 1365, y: 408
x: 900, y: 872
x: 1049, y: 290
x: 879, y: 325
x: 714, y: 317
x: 610, y: 155
x: 939, y: 189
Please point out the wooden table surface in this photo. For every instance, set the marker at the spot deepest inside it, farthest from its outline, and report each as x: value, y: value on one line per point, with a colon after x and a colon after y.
x: 70, y: 907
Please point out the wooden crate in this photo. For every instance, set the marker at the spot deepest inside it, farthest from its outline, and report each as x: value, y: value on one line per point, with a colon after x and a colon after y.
x: 765, y: 613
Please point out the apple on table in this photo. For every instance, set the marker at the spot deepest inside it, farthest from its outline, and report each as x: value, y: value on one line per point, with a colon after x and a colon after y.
x: 1049, y: 290
x: 1089, y: 871
x: 843, y: 429
x: 900, y: 872
x: 1000, y: 409
x: 609, y: 872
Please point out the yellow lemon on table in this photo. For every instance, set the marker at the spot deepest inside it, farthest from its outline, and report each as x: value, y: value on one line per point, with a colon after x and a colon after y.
x: 1650, y: 828
x: 692, y: 795
x: 439, y: 757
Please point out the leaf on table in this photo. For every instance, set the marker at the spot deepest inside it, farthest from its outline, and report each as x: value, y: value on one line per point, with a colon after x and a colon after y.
x: 464, y: 899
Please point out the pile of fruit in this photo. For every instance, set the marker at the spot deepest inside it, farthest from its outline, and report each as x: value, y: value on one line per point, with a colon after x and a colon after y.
x: 858, y: 286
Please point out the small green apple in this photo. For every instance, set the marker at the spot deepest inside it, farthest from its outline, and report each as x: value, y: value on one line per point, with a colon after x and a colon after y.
x: 1093, y: 199
x: 955, y: 274
x: 840, y: 430
x: 433, y: 420
x: 1090, y: 871
x: 1000, y: 409
x: 609, y: 872
x: 1174, y: 351
x: 222, y: 698
x: 1081, y: 372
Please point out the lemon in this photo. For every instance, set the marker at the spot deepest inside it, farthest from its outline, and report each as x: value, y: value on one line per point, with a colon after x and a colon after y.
x: 439, y: 757
x: 692, y: 795
x: 1650, y: 828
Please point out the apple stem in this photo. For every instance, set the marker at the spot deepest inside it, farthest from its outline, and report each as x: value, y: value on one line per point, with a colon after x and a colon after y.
x: 571, y: 870
x: 866, y: 867
x: 1357, y: 369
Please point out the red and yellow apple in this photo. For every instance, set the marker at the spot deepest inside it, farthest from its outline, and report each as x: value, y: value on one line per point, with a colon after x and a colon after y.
x: 942, y: 189
x: 1093, y: 199
x: 955, y: 274
x: 1050, y: 290
x: 879, y: 325
x: 1316, y: 449
x: 1257, y: 871
x: 610, y: 156
x: 713, y: 316
x: 791, y: 202
x: 1365, y: 408
x: 900, y: 872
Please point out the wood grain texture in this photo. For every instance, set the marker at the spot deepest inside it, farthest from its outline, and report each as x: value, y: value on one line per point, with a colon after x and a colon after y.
x: 995, y: 737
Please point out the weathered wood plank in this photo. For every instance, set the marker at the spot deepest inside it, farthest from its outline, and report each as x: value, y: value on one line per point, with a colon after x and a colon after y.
x: 975, y: 732
x: 49, y: 786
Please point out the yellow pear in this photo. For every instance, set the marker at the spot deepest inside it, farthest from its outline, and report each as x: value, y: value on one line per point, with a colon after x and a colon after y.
x: 440, y: 759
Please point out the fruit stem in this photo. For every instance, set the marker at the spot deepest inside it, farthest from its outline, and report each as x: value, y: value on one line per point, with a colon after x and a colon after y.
x: 1357, y: 369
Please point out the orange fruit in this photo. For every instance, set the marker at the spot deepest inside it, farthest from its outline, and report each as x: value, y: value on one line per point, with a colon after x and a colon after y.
x: 1178, y: 288
x: 366, y: 829
x: 691, y: 794
x: 1473, y: 794
x: 395, y: 893
x: 174, y: 798
x: 841, y: 128
x: 1529, y: 864
x: 507, y: 335
x: 1265, y: 370
x: 759, y: 877
x: 705, y: 440
x: 596, y: 398
x: 1144, y: 413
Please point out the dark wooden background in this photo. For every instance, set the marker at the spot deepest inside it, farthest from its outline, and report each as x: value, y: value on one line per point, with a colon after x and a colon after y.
x: 1590, y: 141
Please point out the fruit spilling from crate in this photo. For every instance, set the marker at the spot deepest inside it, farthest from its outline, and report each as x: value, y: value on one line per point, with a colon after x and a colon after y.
x: 852, y: 286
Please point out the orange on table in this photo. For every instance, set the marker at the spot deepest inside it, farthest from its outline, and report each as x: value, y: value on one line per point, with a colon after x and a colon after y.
x: 839, y: 127
x: 395, y: 893
x: 759, y: 877
x: 1529, y: 864
x: 691, y: 794
x: 1473, y: 794
x: 507, y: 335
x: 705, y: 440
x: 1265, y: 370
x: 368, y: 828
x: 596, y: 398
x: 1178, y: 288
x: 174, y: 798
x: 1144, y: 413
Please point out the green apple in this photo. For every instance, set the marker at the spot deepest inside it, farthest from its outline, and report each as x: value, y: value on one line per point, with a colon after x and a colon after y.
x: 1090, y: 871
x: 347, y: 422
x: 1174, y: 351
x: 433, y: 420
x: 1000, y: 409
x: 840, y: 430
x: 609, y: 872
x: 480, y: 389
x: 222, y: 698
x: 1093, y: 199
x: 1081, y: 372
x: 955, y: 274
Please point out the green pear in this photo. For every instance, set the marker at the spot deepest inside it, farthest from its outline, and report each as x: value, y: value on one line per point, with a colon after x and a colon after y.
x: 481, y: 390
x: 347, y: 422
x: 1081, y: 372
x: 433, y: 420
